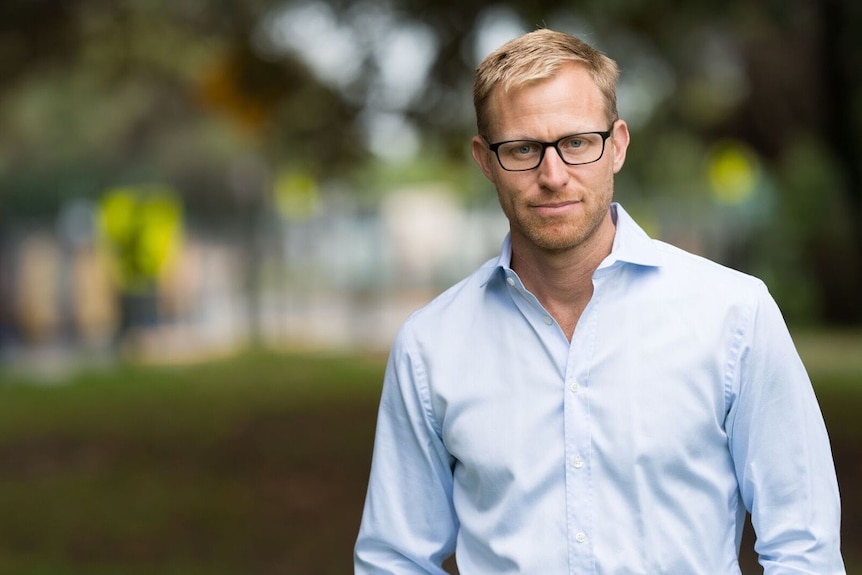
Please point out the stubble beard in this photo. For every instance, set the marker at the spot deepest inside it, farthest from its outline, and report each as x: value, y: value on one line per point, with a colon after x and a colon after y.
x: 562, y: 234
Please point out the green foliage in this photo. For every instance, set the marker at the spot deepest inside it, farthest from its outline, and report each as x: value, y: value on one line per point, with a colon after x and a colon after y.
x: 155, y: 91
x: 95, y: 94
x: 376, y: 179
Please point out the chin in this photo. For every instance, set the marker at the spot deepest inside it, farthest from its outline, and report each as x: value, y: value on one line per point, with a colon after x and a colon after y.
x: 557, y: 241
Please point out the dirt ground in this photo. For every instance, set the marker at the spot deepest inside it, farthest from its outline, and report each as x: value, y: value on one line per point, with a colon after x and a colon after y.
x: 288, y: 497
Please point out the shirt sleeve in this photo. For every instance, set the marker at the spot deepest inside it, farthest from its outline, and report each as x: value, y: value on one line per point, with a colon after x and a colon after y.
x: 781, y: 451
x: 408, y: 524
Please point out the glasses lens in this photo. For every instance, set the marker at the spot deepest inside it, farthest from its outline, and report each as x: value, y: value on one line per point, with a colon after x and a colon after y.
x: 520, y: 155
x: 581, y: 148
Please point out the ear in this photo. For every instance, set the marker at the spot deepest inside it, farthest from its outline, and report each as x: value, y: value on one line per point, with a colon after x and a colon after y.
x: 620, y: 142
x: 483, y: 156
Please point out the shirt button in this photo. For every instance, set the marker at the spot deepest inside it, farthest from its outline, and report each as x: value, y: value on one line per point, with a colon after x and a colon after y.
x: 577, y: 462
x: 510, y: 281
x: 574, y: 387
x: 581, y: 537
x: 548, y: 320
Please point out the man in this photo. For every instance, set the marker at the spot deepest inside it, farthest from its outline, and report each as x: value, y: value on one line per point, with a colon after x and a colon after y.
x: 591, y: 401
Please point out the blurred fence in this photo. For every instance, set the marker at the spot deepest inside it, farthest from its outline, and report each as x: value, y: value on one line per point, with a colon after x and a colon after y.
x: 337, y: 278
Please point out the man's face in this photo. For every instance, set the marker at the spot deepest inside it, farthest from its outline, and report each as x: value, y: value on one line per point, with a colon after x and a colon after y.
x: 555, y: 207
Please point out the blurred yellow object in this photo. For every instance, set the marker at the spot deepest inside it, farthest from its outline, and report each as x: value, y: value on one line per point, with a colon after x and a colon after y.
x: 296, y: 195
x: 142, y: 227
x: 733, y: 170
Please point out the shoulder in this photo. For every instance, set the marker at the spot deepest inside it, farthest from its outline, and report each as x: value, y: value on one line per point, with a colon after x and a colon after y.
x: 671, y: 268
x: 704, y: 292
x: 706, y: 275
x: 457, y: 299
x: 452, y: 312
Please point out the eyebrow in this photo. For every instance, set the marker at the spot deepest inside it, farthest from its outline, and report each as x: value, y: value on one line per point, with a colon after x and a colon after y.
x: 564, y: 135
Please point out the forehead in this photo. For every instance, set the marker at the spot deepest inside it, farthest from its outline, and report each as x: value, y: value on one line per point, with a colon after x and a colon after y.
x: 567, y: 102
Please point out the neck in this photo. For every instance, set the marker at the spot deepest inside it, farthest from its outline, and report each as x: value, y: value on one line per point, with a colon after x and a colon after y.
x: 562, y: 280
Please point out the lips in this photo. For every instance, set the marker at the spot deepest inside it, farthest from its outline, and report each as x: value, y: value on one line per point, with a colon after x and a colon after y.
x: 551, y: 208
x: 557, y: 204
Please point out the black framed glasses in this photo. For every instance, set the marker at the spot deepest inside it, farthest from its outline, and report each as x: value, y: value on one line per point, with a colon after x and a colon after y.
x: 574, y: 150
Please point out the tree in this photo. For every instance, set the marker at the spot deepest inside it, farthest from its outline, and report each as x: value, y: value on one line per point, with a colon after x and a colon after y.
x: 93, y: 91
x: 152, y: 92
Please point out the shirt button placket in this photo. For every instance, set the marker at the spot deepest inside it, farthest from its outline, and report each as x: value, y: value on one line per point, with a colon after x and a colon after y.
x: 578, y: 472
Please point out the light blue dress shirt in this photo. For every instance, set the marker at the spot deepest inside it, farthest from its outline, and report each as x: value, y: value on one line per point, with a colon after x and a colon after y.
x: 636, y: 448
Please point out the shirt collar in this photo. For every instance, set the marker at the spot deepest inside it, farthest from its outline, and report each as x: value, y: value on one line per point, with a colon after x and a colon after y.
x: 631, y: 245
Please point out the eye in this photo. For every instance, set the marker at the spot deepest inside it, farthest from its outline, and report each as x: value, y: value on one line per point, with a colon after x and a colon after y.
x: 526, y: 148
x: 521, y: 149
x: 575, y: 143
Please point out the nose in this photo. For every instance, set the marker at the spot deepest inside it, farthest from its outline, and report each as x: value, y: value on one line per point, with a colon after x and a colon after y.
x: 553, y: 171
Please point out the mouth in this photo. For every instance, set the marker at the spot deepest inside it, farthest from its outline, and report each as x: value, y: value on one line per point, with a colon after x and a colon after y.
x: 556, y: 208
x: 556, y: 204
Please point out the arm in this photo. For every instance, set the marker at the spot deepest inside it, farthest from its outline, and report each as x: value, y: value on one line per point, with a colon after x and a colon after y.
x: 781, y: 452
x: 409, y: 524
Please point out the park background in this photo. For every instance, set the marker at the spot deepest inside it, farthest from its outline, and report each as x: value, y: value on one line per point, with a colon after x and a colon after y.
x: 215, y: 214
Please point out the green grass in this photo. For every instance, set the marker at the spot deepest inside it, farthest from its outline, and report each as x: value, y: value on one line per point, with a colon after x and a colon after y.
x: 254, y: 464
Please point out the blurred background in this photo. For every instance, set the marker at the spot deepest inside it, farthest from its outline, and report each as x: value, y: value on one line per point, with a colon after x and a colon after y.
x: 259, y: 191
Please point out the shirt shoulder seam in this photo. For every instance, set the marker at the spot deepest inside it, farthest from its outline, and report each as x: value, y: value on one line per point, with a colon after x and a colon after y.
x: 420, y: 378
x: 737, y: 348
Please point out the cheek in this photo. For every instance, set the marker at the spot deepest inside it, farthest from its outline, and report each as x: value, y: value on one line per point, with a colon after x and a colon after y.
x: 601, y: 179
x: 508, y: 198
x: 505, y: 198
x: 508, y: 187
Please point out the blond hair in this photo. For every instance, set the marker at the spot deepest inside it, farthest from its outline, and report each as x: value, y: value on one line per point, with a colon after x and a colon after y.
x: 536, y: 56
